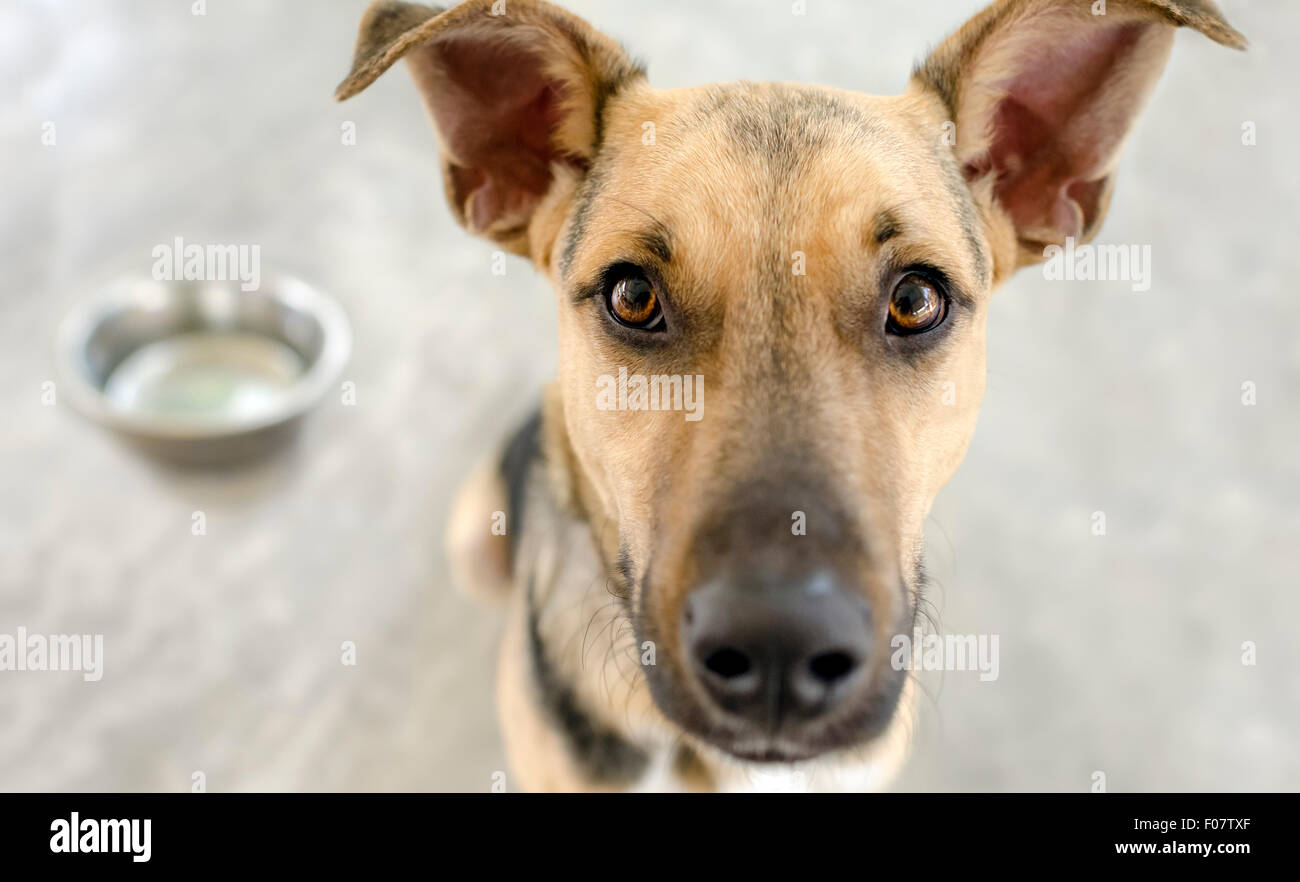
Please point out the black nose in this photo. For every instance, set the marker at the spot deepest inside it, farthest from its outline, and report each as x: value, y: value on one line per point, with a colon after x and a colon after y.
x: 769, y: 650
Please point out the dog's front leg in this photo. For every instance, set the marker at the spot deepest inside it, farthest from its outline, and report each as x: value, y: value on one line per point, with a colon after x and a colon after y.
x: 552, y: 742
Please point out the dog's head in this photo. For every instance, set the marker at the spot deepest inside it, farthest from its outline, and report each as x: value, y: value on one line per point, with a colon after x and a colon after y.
x: 771, y: 308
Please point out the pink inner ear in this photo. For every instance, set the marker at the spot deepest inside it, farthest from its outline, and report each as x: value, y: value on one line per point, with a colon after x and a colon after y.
x: 1061, y: 121
x: 496, y: 112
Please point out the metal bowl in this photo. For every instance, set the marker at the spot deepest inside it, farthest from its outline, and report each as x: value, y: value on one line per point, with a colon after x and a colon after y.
x: 202, y: 372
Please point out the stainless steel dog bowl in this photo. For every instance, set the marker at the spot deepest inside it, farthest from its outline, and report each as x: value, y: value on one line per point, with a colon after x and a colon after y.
x: 202, y: 372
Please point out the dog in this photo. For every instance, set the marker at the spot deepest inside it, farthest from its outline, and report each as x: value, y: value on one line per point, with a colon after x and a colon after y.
x: 703, y: 592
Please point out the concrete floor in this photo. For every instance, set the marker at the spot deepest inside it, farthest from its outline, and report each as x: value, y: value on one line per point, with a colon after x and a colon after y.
x: 1120, y: 653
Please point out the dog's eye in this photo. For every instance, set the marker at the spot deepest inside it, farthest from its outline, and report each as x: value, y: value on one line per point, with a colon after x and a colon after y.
x: 917, y: 305
x: 634, y: 302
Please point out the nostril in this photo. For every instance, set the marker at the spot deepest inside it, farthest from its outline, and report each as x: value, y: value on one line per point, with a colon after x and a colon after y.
x: 728, y: 663
x: 829, y: 667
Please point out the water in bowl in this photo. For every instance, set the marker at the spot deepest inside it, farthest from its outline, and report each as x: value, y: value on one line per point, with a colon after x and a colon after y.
x: 206, y: 376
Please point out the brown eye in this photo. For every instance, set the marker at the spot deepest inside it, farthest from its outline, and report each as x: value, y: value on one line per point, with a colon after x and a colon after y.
x: 916, y: 306
x: 634, y: 302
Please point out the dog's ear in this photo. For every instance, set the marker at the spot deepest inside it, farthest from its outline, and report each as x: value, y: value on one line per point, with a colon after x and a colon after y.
x: 1043, y: 94
x: 515, y: 89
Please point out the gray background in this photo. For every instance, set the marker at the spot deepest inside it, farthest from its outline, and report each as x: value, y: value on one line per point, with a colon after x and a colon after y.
x: 1119, y: 653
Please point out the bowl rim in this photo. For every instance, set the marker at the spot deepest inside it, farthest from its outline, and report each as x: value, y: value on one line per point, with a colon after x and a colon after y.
x: 126, y: 292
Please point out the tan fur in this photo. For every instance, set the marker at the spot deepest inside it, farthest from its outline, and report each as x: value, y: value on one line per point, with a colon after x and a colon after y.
x: 480, y: 558
x: 747, y: 179
x: 539, y: 760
